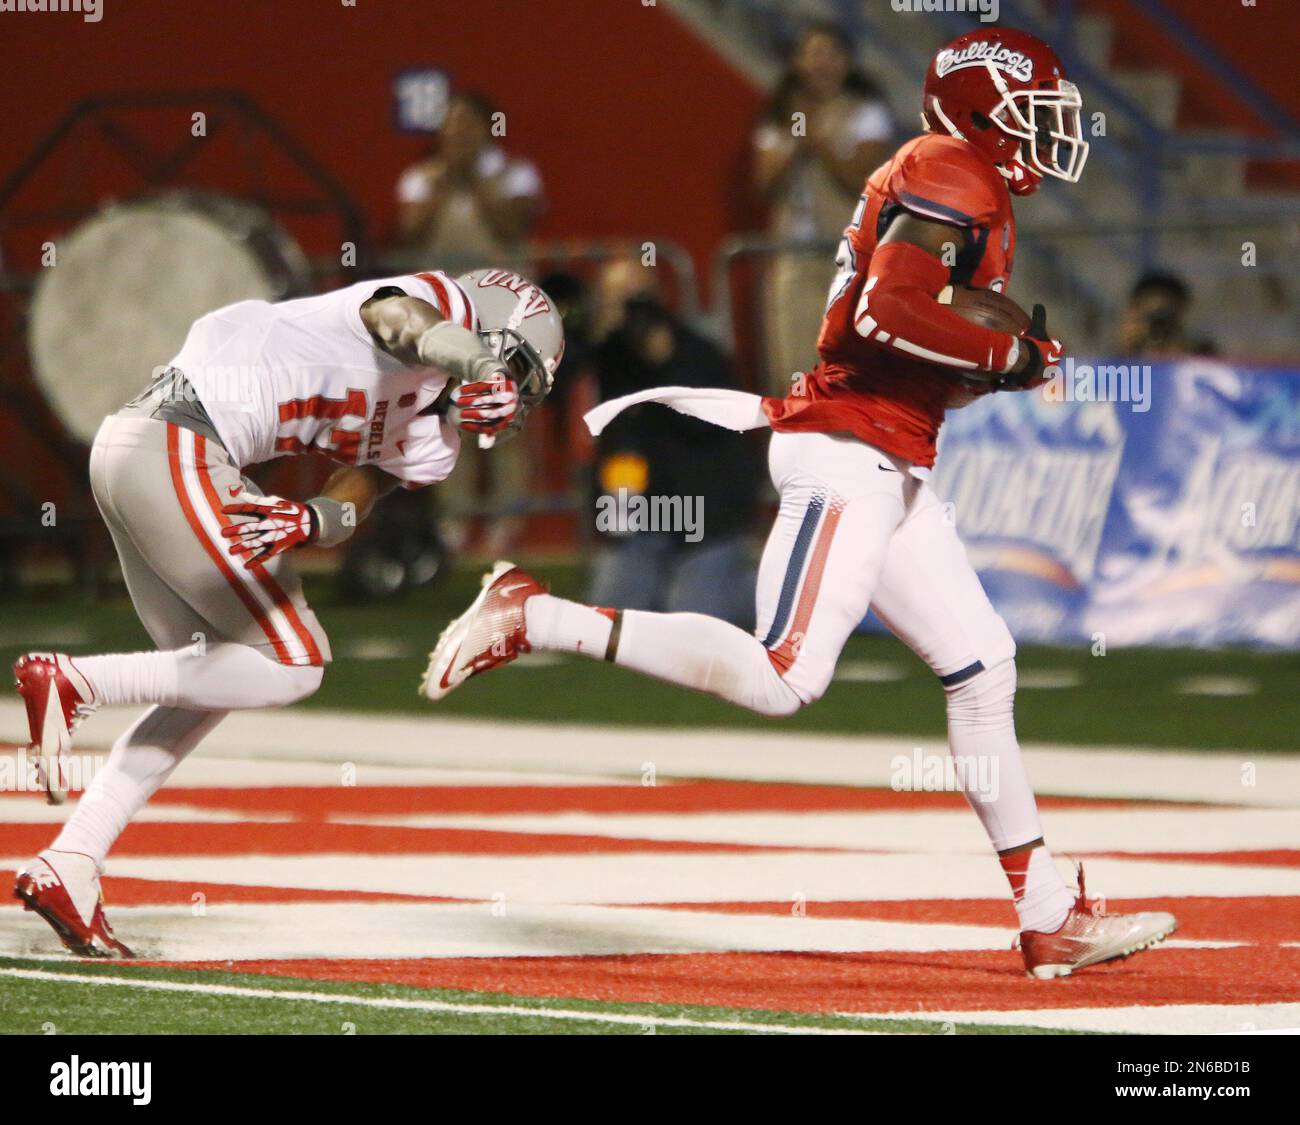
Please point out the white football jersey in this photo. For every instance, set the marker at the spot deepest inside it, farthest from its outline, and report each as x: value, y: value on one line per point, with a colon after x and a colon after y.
x: 305, y: 376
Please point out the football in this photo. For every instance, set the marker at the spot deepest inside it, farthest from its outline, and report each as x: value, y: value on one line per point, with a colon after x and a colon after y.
x: 986, y: 308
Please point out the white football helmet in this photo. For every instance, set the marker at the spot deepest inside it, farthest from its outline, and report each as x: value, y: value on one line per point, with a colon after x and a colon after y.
x: 519, y: 323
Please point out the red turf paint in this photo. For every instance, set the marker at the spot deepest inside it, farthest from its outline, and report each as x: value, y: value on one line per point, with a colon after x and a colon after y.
x: 843, y: 982
x: 677, y: 797
x: 154, y: 838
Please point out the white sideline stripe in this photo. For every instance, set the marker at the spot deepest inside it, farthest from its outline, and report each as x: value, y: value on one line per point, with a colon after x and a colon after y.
x: 1158, y: 1019
x: 634, y: 878
x: 296, y: 931
x: 1070, y: 831
x: 36, y: 811
x: 436, y: 1005
x: 199, y: 772
x: 1124, y: 773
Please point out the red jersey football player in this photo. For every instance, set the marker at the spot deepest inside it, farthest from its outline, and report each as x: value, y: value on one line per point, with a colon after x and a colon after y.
x: 859, y: 524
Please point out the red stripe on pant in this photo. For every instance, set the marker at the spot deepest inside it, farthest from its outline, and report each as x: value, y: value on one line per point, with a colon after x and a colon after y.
x: 214, y: 552
x: 263, y: 577
x: 786, y: 653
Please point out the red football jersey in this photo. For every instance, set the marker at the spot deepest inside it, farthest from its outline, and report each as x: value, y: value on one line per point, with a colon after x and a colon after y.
x: 879, y: 388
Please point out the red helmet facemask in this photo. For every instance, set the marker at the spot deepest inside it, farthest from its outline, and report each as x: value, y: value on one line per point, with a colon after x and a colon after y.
x: 1006, y: 93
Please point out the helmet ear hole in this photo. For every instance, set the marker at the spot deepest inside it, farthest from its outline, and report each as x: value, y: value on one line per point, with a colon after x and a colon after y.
x: 980, y: 121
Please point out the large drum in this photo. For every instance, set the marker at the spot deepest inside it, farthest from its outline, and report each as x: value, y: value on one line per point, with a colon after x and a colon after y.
x: 127, y: 284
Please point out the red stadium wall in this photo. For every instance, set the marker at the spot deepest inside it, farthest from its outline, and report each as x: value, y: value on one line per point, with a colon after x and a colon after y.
x: 638, y: 128
x: 574, y: 77
x: 1254, y: 39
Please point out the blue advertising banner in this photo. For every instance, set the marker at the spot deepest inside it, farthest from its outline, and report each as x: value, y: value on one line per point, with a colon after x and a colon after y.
x: 1135, y: 505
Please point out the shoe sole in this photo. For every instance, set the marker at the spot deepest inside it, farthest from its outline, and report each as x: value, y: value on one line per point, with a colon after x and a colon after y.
x: 71, y: 941
x: 48, y: 744
x: 430, y: 683
x: 1053, y: 972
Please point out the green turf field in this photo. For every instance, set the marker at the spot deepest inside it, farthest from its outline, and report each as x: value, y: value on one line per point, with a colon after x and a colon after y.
x: 1127, y: 697
x: 146, y: 998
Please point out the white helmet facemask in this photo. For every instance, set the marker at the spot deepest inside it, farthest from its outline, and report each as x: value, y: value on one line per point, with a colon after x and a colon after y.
x: 1049, y: 124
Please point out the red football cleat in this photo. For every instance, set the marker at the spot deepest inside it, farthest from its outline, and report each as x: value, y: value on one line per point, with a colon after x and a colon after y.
x: 58, y: 698
x: 1089, y: 936
x: 68, y: 897
x: 488, y: 634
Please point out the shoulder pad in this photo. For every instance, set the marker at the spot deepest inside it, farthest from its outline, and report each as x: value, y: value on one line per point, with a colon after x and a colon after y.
x: 946, y: 179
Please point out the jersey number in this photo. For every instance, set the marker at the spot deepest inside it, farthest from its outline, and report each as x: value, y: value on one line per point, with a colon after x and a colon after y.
x: 341, y: 444
x: 846, y: 261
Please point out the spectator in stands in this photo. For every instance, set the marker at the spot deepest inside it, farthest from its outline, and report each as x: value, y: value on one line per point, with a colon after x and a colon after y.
x: 1155, y: 321
x: 703, y: 563
x: 825, y: 129
x: 470, y: 204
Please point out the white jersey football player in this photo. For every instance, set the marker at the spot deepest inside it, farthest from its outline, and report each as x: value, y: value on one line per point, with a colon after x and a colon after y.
x: 381, y: 377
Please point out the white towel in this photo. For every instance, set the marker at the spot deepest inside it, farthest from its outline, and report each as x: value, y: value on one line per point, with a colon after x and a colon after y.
x: 734, y: 410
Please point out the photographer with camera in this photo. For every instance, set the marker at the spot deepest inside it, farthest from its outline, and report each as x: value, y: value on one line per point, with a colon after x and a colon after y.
x: 1154, y: 323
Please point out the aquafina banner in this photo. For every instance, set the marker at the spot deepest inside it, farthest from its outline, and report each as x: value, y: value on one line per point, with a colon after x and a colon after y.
x: 1147, y: 503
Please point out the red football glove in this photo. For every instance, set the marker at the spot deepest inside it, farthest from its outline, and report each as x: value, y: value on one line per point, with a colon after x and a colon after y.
x: 1044, y: 352
x: 485, y: 407
x: 274, y: 525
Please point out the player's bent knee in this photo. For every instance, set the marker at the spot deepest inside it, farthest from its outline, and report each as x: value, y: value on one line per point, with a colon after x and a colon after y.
x: 774, y: 698
x: 294, y: 682
x: 989, y: 692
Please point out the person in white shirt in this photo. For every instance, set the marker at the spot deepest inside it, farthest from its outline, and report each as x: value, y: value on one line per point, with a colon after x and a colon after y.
x: 472, y: 199
x: 825, y: 129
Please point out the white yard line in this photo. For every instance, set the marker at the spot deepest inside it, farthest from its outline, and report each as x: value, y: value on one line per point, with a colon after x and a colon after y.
x: 377, y: 741
x: 634, y: 878
x: 297, y: 931
x: 645, y: 1021
x: 1156, y: 1019
x: 1070, y: 831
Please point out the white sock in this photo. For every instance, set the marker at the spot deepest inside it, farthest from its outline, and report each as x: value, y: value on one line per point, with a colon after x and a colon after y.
x: 563, y: 626
x: 142, y: 759
x: 218, y: 677
x: 689, y: 649
x: 982, y: 738
x: 707, y: 654
x: 128, y: 678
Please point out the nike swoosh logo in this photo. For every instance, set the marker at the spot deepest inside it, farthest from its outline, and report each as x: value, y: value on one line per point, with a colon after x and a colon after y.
x: 235, y: 489
x: 444, y: 682
x: 887, y: 468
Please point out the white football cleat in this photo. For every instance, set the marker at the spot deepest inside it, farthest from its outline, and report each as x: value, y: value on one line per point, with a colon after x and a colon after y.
x: 63, y: 888
x: 58, y: 698
x: 1089, y: 936
x: 488, y: 634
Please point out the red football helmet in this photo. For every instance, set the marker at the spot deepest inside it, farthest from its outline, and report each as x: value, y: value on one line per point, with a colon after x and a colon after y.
x: 1006, y: 93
